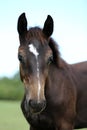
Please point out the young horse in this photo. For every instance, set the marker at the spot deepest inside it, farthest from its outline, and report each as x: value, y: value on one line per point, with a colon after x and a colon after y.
x: 55, y: 92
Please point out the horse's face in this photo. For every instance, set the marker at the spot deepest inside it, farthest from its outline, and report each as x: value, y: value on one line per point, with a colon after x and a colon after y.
x: 35, y: 56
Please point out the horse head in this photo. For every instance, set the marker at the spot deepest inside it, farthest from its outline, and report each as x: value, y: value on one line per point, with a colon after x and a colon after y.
x: 35, y: 56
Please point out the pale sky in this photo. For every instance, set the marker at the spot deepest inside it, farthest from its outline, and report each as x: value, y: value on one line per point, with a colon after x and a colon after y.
x: 70, y: 28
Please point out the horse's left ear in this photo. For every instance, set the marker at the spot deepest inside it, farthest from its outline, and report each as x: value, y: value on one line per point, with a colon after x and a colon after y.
x: 48, y: 26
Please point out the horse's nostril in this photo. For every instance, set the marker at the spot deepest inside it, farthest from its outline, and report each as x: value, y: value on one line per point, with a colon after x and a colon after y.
x: 37, y: 106
x: 44, y: 104
x: 32, y: 103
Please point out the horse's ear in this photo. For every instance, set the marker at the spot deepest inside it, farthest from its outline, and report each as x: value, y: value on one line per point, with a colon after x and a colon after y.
x: 48, y: 26
x: 22, y: 25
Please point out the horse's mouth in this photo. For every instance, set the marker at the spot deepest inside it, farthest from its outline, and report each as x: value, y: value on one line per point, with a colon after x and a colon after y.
x: 34, y: 111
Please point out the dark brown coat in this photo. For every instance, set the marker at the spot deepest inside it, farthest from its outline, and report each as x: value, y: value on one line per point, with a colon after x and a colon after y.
x: 65, y: 85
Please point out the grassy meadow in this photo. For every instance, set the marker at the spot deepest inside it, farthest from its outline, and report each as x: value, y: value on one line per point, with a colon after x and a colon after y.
x: 11, y: 88
x: 11, y: 117
x: 11, y: 93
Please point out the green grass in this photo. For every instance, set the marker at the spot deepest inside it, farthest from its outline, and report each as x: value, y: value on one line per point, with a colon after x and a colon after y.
x: 11, y: 89
x: 11, y: 117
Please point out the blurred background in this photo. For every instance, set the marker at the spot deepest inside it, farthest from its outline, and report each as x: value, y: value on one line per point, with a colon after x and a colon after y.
x: 70, y: 32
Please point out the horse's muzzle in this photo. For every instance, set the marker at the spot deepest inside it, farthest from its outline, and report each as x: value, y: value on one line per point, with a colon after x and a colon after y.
x: 36, y: 107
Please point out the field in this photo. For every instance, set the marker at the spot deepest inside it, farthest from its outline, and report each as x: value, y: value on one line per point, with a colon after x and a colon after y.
x: 11, y: 117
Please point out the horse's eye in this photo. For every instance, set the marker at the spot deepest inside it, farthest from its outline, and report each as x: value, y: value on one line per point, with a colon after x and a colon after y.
x: 50, y: 60
x: 21, y: 59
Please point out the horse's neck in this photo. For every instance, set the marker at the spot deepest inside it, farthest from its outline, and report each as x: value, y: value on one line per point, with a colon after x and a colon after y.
x: 56, y: 70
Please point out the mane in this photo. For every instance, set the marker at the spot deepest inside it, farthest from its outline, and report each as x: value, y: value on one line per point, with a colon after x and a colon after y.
x: 55, y: 49
x: 59, y: 62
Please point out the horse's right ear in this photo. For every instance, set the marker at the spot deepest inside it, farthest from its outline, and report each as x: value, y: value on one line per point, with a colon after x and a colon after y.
x: 22, y: 25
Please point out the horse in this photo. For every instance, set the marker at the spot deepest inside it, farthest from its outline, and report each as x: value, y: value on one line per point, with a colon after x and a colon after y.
x: 55, y: 95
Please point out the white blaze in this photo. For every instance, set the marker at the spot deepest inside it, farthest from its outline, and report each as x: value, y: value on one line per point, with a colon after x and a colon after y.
x: 33, y: 50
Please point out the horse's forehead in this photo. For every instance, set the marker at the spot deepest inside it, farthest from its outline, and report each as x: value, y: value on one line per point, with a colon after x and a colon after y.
x: 38, y: 49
